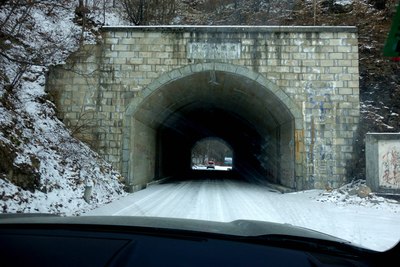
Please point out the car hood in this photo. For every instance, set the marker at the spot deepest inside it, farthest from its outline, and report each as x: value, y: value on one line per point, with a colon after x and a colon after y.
x: 238, y: 228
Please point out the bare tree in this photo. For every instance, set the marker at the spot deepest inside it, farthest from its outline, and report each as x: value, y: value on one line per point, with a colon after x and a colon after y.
x: 145, y: 12
x: 256, y: 5
x: 81, y: 11
x: 164, y: 11
x: 24, y: 7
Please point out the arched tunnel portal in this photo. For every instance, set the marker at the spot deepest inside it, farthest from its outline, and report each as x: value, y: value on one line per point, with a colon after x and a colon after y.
x: 245, y: 112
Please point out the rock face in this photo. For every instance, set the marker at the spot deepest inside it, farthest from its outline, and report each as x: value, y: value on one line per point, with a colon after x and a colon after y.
x: 357, y: 188
x: 24, y: 175
x: 363, y: 191
x: 338, y: 6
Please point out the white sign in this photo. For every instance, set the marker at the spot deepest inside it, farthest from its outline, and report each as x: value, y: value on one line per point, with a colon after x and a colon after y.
x: 199, y: 50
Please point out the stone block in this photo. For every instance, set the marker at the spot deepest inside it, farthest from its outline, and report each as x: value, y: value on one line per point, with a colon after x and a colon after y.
x: 111, y: 54
x: 155, y: 48
x: 334, y: 56
x: 352, y: 70
x: 150, y: 35
x: 169, y: 61
x: 326, y: 35
x: 137, y: 34
x: 145, y: 55
x: 119, y: 47
x: 290, y: 76
x: 339, y: 141
x: 299, y: 56
x: 345, y: 63
x: 152, y: 75
x: 153, y: 61
x: 327, y: 63
x: 127, y: 54
x: 354, y: 63
x: 247, y: 42
x: 354, y: 84
x: 121, y: 34
x: 111, y: 41
x: 144, y: 67
x: 135, y: 60
x: 118, y: 61
x: 128, y: 41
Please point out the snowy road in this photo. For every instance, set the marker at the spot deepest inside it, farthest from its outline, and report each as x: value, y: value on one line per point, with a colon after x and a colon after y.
x: 374, y: 225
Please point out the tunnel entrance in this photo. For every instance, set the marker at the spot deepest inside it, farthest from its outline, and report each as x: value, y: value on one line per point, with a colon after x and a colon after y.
x: 248, y: 115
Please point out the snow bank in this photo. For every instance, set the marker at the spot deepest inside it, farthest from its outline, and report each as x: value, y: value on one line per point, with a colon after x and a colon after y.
x: 354, y: 193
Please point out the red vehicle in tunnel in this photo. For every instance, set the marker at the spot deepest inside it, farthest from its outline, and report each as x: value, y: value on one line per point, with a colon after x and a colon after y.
x: 210, y: 164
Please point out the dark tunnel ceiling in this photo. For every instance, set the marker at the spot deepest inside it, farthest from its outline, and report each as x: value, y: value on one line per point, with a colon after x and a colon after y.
x: 214, y: 92
x: 206, y: 120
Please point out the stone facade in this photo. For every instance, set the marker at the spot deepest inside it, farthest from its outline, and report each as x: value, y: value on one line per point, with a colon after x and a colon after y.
x: 311, y: 71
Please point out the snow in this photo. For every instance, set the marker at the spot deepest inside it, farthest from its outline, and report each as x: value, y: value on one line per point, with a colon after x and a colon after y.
x: 62, y: 165
x: 371, y: 222
x: 372, y: 112
x: 216, y: 168
x: 343, y: 2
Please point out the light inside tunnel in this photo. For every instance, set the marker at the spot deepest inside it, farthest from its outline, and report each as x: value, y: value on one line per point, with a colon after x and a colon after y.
x: 244, y: 113
x: 211, y: 153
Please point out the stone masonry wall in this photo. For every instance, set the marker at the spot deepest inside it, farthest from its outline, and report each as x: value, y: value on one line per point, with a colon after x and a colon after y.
x: 317, y: 67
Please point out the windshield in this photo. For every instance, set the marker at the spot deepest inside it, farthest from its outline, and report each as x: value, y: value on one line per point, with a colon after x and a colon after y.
x: 276, y: 111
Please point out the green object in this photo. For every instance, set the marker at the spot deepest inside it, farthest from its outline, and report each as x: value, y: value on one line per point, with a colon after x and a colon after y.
x: 392, y: 45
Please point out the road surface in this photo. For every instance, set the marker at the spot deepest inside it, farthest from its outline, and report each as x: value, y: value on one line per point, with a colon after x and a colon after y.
x: 375, y: 227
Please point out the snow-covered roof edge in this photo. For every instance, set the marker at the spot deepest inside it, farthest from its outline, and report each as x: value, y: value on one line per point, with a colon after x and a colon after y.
x: 233, y: 28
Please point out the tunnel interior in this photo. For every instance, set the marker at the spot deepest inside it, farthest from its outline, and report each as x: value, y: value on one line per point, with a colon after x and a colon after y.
x: 245, y: 114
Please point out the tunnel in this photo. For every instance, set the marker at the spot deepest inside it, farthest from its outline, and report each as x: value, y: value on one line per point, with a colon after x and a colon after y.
x: 240, y: 110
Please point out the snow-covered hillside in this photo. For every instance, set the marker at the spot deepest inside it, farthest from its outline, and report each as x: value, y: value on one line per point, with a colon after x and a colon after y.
x: 43, y: 168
